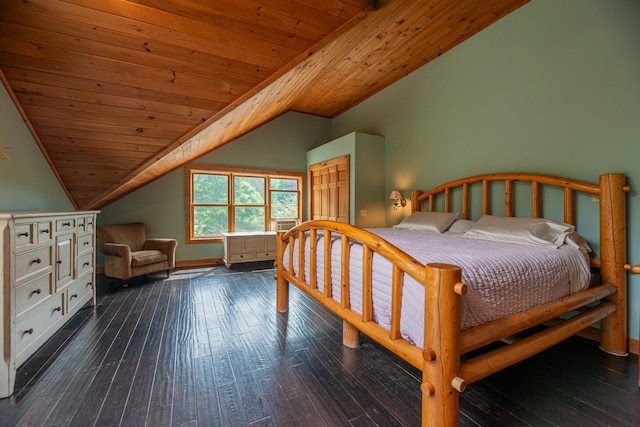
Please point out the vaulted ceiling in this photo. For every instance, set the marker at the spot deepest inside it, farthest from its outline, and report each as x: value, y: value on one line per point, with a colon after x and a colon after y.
x: 120, y: 92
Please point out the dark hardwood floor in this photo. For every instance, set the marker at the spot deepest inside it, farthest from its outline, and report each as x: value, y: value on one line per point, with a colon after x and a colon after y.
x: 206, y: 347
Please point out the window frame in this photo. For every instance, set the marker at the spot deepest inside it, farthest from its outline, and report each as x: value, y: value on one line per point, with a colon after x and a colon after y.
x: 231, y: 173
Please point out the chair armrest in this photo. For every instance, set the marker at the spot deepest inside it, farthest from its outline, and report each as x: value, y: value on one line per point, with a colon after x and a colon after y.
x: 168, y: 246
x: 116, y: 249
x: 165, y: 245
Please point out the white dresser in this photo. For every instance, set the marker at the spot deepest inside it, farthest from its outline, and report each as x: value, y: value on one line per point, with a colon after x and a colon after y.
x: 249, y: 247
x: 48, y: 274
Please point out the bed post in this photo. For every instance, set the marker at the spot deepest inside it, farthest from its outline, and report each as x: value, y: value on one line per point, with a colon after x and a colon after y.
x: 282, y: 286
x: 415, y: 203
x: 613, y: 338
x: 441, y: 345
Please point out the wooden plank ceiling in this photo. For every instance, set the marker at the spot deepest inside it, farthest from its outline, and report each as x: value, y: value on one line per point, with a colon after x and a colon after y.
x: 120, y: 92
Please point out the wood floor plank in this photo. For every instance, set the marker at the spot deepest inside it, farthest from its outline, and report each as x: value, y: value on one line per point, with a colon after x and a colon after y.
x: 184, y: 391
x: 348, y: 406
x: 137, y: 407
x: 285, y: 381
x: 322, y: 400
x: 207, y: 402
x: 161, y: 400
x: 221, y: 363
x: 231, y: 407
x: 160, y: 416
x: 252, y: 398
x: 371, y: 406
x: 283, y: 409
x: 123, y: 357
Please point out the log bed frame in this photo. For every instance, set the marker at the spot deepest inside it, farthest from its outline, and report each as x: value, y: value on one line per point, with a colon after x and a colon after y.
x: 444, y: 372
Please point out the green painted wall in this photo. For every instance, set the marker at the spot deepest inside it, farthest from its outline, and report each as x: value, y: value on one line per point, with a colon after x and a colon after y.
x: 279, y: 145
x: 26, y: 181
x: 552, y: 88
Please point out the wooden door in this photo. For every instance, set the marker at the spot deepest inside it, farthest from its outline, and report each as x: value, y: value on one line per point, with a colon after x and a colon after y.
x: 330, y: 189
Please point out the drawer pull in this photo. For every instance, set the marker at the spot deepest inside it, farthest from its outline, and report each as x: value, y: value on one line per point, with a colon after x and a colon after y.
x: 44, y: 231
x: 28, y: 331
x: 85, y: 264
x: 37, y: 261
x: 36, y: 291
x: 59, y: 262
x: 73, y: 296
x: 57, y: 308
x: 88, y: 285
x: 66, y: 224
x: 25, y: 234
x: 81, y: 225
x: 86, y: 243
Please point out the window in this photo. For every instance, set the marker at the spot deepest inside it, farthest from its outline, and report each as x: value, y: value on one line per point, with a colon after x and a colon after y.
x: 221, y: 200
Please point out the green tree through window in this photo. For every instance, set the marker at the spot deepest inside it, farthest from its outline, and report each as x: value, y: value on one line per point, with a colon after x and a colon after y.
x: 222, y: 200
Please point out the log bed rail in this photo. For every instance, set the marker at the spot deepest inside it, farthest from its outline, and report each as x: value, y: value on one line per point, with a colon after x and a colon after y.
x: 445, y: 372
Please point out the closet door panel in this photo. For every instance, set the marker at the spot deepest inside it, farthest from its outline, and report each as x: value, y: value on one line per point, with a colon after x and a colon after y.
x: 330, y: 190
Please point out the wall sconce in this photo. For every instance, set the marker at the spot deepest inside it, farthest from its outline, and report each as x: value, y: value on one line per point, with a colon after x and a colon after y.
x: 396, y: 196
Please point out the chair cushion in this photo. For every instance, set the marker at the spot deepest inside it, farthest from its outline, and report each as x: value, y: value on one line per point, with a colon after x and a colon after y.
x: 139, y: 258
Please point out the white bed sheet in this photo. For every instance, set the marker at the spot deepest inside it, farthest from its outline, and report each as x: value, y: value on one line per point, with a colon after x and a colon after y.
x: 501, y: 278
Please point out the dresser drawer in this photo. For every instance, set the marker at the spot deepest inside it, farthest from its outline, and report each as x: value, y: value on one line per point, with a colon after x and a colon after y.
x: 32, y: 293
x: 266, y: 255
x: 85, y: 263
x: 65, y: 224
x: 25, y: 234
x: 45, y: 231
x: 85, y: 243
x: 32, y: 263
x: 84, y: 224
x: 249, y: 256
x: 30, y: 328
x: 81, y: 224
x: 79, y: 293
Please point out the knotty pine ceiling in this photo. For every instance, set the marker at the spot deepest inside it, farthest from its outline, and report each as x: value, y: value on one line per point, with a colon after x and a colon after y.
x: 120, y: 92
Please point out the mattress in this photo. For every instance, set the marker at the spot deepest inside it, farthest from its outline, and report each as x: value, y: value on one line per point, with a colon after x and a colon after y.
x: 501, y: 278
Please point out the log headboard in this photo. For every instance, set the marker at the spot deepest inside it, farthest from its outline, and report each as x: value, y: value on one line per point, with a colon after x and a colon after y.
x: 610, y: 192
x: 536, y: 182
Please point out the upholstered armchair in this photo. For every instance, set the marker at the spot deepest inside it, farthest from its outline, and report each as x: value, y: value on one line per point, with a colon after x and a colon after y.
x: 128, y: 253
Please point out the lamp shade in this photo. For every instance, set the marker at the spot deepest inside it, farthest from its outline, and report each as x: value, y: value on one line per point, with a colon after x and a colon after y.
x: 395, y: 194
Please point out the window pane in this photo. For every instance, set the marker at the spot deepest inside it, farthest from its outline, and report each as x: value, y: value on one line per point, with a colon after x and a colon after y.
x: 210, y: 188
x: 284, y: 204
x: 248, y: 190
x: 250, y: 219
x: 284, y: 184
x: 210, y: 220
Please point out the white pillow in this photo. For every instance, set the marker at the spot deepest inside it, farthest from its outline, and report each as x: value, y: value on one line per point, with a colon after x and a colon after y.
x: 534, y: 231
x: 459, y: 226
x: 435, y: 222
x: 577, y: 241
